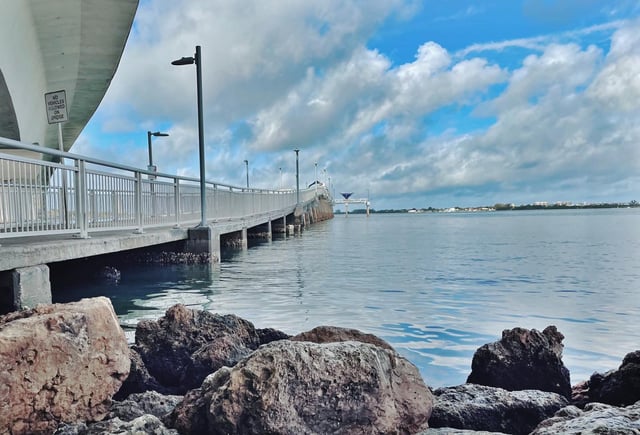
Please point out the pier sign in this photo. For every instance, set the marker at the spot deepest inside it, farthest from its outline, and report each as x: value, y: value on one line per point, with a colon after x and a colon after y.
x: 56, y: 104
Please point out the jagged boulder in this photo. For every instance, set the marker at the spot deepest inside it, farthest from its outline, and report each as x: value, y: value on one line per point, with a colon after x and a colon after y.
x: 60, y: 363
x: 267, y: 335
x: 145, y: 424
x: 139, y: 379
x: 140, y: 413
x: 184, y: 346
x: 616, y: 387
x: 291, y: 387
x: 453, y: 431
x: 482, y: 408
x: 147, y: 403
x: 523, y: 360
x: 596, y: 418
x: 333, y: 334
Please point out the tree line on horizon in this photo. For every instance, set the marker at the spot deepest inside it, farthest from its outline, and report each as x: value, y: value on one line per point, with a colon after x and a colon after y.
x: 499, y: 207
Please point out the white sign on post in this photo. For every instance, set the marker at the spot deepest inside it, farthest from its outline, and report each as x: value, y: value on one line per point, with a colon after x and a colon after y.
x: 56, y: 103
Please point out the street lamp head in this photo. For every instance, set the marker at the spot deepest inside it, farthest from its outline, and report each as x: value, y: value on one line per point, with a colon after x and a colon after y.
x: 184, y: 61
x: 157, y: 133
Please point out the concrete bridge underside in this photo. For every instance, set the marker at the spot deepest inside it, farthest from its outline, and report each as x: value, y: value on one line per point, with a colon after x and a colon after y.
x: 46, y: 46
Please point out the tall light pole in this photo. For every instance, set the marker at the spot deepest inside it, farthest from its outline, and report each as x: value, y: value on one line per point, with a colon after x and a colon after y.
x: 280, y: 178
x: 246, y: 163
x: 316, y: 179
x: 197, y: 59
x: 156, y: 134
x: 297, y: 178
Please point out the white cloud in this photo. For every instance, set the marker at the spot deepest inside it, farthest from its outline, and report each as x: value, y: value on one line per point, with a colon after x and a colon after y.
x: 299, y: 74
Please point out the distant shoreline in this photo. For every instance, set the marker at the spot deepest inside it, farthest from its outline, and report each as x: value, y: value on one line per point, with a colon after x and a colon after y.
x: 498, y: 207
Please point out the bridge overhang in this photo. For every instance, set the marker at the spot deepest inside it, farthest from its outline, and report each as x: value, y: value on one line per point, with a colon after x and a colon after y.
x: 46, y: 46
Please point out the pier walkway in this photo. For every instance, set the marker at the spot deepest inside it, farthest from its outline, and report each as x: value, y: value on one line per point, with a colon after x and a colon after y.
x: 57, y: 206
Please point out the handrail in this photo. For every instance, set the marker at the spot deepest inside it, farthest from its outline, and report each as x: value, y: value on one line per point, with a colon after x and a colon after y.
x: 44, y: 197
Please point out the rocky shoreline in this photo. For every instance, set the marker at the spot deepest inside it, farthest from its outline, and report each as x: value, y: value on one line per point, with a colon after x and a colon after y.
x: 67, y: 369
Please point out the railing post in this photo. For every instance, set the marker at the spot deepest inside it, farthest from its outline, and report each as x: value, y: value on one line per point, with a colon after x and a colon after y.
x: 81, y: 199
x: 138, y: 202
x: 176, y: 201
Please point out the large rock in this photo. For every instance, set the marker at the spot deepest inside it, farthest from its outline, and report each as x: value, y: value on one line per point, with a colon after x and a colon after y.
x: 147, y: 403
x: 145, y: 424
x: 333, y: 334
x: 482, y: 408
x: 617, y: 387
x: 290, y: 387
x: 596, y: 418
x: 139, y: 379
x: 60, y: 363
x: 523, y: 360
x: 453, y: 431
x: 180, y: 349
x: 140, y: 414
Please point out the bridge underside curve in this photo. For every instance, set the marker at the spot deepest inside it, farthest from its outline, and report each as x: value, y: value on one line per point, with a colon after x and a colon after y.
x: 8, y: 120
x: 47, y: 46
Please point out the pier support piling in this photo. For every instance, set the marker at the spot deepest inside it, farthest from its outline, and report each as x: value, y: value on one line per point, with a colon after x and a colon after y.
x: 30, y: 286
x: 204, y: 240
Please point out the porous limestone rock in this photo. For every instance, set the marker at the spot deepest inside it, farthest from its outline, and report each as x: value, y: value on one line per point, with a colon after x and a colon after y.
x: 482, y: 408
x: 139, y: 379
x: 453, y: 431
x: 523, y: 360
x: 616, y: 387
x: 143, y: 425
x: 147, y: 403
x: 267, y: 335
x: 291, y: 387
x: 60, y: 363
x: 332, y: 334
x: 184, y: 346
x: 596, y: 418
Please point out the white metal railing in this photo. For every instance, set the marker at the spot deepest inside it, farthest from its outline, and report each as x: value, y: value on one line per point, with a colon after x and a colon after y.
x: 52, y: 192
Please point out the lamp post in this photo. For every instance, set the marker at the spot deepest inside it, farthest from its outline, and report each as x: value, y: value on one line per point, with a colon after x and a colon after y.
x: 280, y: 178
x: 156, y: 134
x: 297, y: 178
x: 246, y: 163
x: 197, y: 59
x: 315, y: 181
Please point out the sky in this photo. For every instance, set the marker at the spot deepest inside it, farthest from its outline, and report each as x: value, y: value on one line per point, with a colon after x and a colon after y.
x: 411, y: 103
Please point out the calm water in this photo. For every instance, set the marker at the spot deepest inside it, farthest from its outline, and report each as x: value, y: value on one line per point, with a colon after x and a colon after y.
x: 436, y: 286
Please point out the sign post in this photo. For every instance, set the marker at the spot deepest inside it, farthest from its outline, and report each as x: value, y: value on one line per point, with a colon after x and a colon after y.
x: 56, y: 105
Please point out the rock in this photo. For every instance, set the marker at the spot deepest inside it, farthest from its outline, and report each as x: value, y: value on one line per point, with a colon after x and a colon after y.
x: 110, y: 273
x: 597, y: 418
x: 523, y: 360
x: 60, y: 363
x: 267, y: 335
x: 453, y: 431
x: 482, y: 408
x: 139, y: 379
x: 291, y: 387
x: 183, y: 347
x: 332, y: 334
x: 145, y: 424
x: 617, y: 387
x: 139, y: 404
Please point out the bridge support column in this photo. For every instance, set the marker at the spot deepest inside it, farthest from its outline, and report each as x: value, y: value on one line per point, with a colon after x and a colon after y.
x: 269, y: 231
x: 244, y: 239
x: 204, y: 240
x: 29, y: 286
